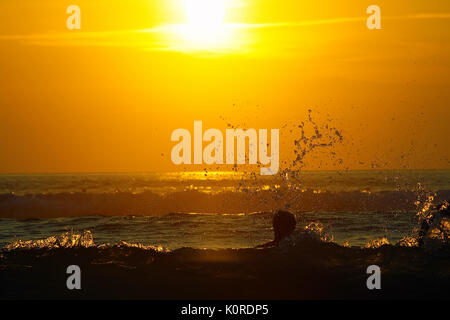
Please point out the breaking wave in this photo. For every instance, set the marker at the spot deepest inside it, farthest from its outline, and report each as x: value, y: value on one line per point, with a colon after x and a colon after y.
x: 308, y: 264
x: 243, y: 201
x: 68, y: 240
x: 313, y: 232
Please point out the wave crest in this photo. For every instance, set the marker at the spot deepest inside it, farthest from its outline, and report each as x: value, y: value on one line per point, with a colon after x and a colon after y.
x: 76, y: 240
x: 64, y: 240
x: 377, y: 243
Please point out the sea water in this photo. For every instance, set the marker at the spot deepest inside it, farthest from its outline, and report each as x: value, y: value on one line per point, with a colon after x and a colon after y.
x: 216, y: 209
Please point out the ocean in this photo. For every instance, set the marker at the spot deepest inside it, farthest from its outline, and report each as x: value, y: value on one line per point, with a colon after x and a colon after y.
x: 192, y: 235
x: 216, y: 210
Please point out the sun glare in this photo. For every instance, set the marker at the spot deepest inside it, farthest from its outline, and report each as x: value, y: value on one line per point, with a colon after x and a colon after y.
x: 205, y: 13
x: 205, y: 27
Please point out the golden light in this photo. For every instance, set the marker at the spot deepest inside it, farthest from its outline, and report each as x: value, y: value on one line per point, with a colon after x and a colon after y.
x: 205, y: 13
x: 205, y: 27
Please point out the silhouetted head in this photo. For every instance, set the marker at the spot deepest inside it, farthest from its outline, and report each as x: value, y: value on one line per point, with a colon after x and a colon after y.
x: 283, y: 224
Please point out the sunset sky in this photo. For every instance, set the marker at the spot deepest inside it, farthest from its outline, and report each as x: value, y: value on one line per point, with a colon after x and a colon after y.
x: 106, y: 98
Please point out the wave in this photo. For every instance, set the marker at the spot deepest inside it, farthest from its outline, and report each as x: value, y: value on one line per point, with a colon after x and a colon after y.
x: 312, y: 232
x: 311, y: 267
x: 68, y: 240
x: 243, y: 201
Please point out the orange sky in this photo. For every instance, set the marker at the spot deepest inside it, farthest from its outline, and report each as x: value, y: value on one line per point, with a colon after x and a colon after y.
x: 107, y: 97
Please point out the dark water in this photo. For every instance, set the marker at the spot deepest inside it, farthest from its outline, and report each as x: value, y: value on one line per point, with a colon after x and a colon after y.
x: 190, y: 235
x: 310, y: 269
x: 216, y: 209
x: 211, y: 230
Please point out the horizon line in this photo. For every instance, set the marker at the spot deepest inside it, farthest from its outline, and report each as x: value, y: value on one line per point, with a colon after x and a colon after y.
x: 203, y: 172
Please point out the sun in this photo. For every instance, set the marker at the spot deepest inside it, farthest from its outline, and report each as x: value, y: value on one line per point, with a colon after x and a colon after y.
x: 205, y: 29
x: 205, y: 13
x: 205, y: 22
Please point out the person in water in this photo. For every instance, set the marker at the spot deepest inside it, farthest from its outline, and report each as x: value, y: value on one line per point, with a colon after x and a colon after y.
x: 283, y: 225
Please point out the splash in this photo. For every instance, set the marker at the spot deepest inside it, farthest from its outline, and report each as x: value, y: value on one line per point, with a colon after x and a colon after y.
x: 424, y: 202
x: 436, y: 231
x: 320, y: 136
x: 77, y: 240
x: 377, y: 243
x: 125, y: 244
x: 311, y: 139
x: 313, y: 232
x: 318, y: 231
x: 408, y: 241
x: 65, y: 240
